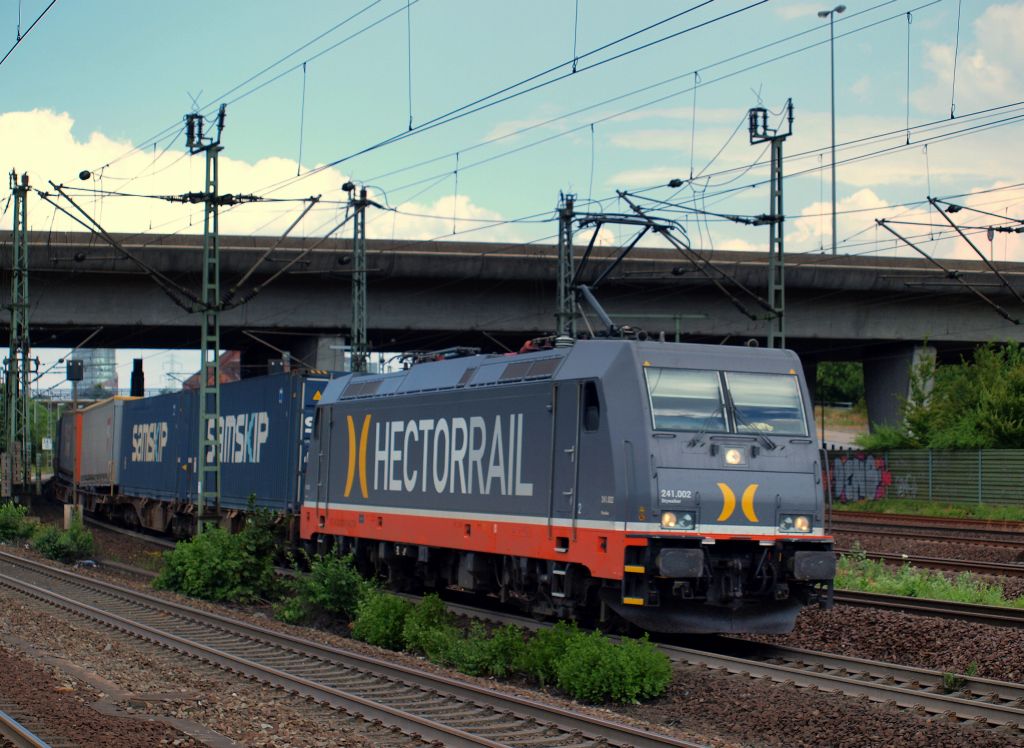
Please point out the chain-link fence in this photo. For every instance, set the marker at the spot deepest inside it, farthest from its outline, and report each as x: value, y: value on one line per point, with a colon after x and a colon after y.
x: 992, y: 476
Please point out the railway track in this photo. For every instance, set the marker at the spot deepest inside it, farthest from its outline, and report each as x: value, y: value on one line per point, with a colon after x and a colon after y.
x: 144, y: 537
x: 1013, y: 540
x: 26, y: 733
x: 435, y: 708
x: 996, y: 703
x: 986, y: 614
x: 991, y: 568
x: 982, y: 527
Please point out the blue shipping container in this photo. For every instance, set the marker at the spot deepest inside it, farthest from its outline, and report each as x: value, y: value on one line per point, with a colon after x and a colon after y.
x: 158, y: 437
x: 266, y: 423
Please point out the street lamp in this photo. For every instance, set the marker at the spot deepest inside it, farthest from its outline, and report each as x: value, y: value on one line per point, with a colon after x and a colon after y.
x: 830, y: 15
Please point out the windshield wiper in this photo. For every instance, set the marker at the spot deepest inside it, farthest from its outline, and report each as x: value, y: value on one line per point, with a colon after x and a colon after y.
x: 697, y: 438
x: 762, y: 437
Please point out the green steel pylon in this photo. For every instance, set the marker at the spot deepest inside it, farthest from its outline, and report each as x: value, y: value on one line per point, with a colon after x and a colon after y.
x: 208, y: 455
x: 18, y: 447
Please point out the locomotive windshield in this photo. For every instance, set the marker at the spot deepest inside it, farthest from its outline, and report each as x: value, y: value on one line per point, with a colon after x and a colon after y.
x: 686, y: 399
x: 725, y: 402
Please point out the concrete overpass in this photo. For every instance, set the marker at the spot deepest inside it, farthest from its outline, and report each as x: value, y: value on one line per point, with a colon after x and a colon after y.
x: 425, y: 295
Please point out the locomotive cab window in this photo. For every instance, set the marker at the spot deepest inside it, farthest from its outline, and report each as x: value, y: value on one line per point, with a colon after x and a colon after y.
x: 767, y: 403
x: 591, y: 407
x: 685, y: 399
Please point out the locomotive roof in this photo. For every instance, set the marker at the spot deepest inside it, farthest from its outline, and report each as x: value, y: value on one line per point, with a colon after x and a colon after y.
x: 583, y: 359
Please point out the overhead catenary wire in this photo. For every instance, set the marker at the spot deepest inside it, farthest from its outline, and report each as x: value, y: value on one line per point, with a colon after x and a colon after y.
x: 648, y: 87
x: 615, y: 115
x: 910, y: 21
x: 224, y: 97
x: 951, y: 274
x: 591, y: 124
x: 709, y: 270
x: 173, y: 290
x: 21, y: 36
x: 510, y: 92
x: 302, y: 122
x: 874, y: 7
x: 239, y: 86
x: 989, y: 265
x: 1009, y: 120
x: 956, y: 56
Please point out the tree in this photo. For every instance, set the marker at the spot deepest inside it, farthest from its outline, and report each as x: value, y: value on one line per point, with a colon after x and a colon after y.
x: 977, y: 403
x: 839, y: 382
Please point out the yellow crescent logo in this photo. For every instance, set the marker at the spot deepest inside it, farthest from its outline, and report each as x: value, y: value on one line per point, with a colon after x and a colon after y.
x: 352, y: 459
x: 729, y: 502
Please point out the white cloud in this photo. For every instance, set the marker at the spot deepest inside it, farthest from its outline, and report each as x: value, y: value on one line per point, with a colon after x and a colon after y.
x: 990, y: 68
x: 861, y: 87
x: 814, y: 227
x: 794, y: 11
x: 740, y: 245
x: 511, y: 128
x: 447, y: 218
x: 705, y: 116
x: 646, y: 177
x: 41, y: 143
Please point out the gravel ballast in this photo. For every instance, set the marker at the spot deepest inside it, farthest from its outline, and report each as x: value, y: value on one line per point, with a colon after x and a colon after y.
x: 702, y: 705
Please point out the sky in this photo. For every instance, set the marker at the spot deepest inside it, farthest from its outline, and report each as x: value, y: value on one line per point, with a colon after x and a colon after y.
x: 468, y: 120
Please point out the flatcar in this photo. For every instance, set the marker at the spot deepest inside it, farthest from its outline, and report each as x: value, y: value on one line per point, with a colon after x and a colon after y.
x: 675, y: 486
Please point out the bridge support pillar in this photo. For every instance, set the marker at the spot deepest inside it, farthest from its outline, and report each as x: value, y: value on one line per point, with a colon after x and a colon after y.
x: 322, y: 352
x: 887, y: 375
x: 810, y: 367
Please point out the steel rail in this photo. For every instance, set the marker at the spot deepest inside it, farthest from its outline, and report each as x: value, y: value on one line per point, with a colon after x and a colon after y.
x: 919, y: 522
x: 856, y: 528
x: 994, y: 702
x: 945, y: 564
x: 18, y: 735
x: 154, y: 539
x: 244, y: 667
x: 319, y: 658
x: 993, y: 615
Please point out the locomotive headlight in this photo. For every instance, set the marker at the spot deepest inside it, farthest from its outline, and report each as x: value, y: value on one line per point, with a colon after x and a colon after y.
x: 681, y: 521
x: 735, y: 456
x: 794, y: 523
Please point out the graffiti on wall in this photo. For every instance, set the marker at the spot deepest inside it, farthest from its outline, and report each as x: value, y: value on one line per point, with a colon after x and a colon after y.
x: 858, y: 475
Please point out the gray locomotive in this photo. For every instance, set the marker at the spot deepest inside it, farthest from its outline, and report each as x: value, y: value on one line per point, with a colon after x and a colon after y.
x: 677, y: 486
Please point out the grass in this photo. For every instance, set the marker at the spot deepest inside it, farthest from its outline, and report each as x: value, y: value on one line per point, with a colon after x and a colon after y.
x: 994, y: 512
x: 855, y: 572
x: 852, y: 419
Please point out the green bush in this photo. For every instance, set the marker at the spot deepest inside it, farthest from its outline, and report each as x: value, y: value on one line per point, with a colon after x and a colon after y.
x: 595, y: 669
x: 217, y: 565
x: 590, y: 667
x: 472, y: 653
x: 423, y: 624
x: 649, y: 670
x: 507, y: 649
x: 14, y: 525
x: 480, y: 652
x: 540, y: 656
x: 65, y: 546
x: 381, y: 619
x: 332, y: 588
